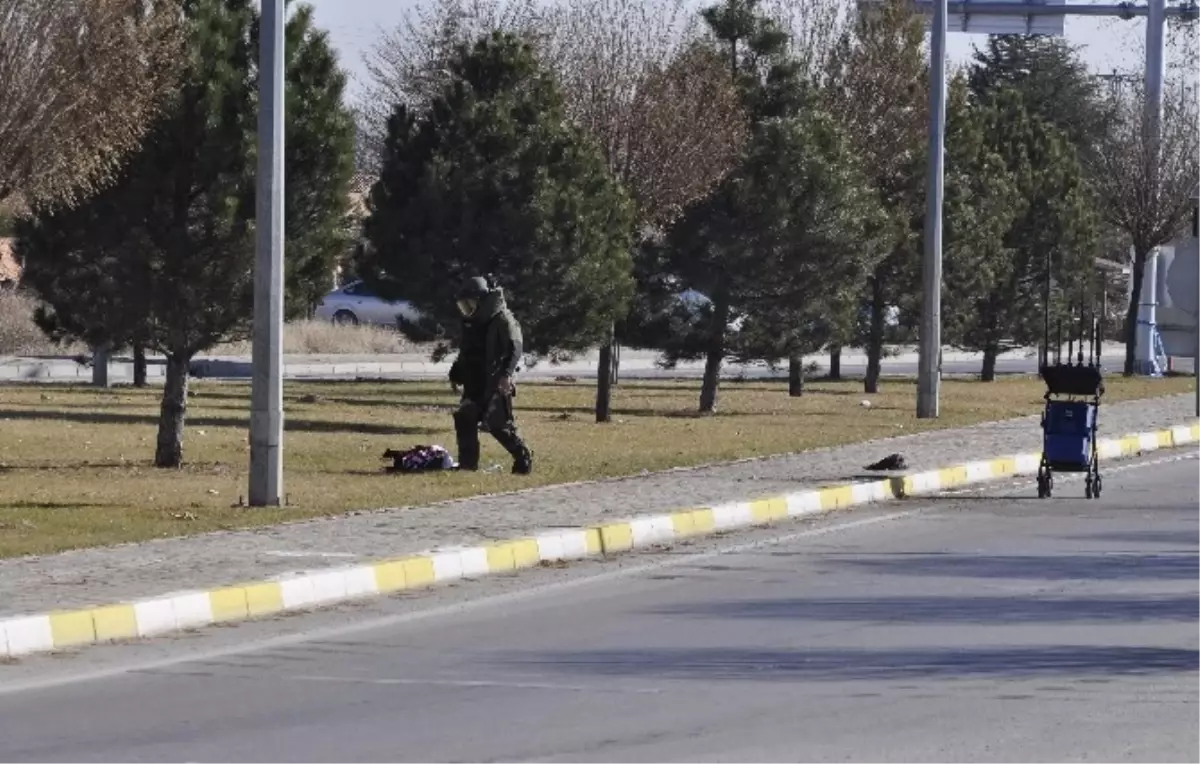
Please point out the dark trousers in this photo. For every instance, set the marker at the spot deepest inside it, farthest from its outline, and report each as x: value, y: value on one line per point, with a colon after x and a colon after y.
x: 497, y: 418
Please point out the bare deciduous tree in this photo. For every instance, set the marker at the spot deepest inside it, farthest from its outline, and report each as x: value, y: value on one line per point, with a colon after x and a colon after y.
x: 80, y: 81
x: 814, y: 28
x: 1146, y: 186
x: 407, y: 64
x: 652, y: 94
x: 659, y: 101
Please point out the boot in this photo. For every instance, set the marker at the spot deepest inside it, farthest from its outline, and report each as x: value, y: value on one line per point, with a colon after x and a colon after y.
x: 523, y: 462
x: 468, y: 456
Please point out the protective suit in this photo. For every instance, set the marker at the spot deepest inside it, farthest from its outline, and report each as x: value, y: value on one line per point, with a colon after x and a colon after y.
x: 489, y: 354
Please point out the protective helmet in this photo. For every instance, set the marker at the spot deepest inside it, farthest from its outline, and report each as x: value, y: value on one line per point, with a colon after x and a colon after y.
x: 472, y: 291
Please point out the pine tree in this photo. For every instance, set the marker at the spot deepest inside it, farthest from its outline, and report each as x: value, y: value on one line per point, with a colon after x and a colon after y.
x: 492, y: 179
x: 982, y: 203
x: 1053, y: 80
x: 878, y: 87
x: 772, y: 87
x: 1044, y: 253
x: 827, y: 222
x: 775, y: 250
x: 319, y: 149
x: 164, y: 257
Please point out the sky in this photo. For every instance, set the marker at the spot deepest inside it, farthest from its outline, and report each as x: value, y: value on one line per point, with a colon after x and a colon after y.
x: 354, y: 25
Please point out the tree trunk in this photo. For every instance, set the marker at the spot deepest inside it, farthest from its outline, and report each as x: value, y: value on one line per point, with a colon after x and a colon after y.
x: 171, y: 417
x: 100, y: 358
x: 796, y: 376
x: 714, y: 357
x: 139, y: 366
x: 616, y: 363
x: 1131, y: 315
x: 835, y: 363
x: 875, y: 340
x: 604, y: 379
x: 988, y: 373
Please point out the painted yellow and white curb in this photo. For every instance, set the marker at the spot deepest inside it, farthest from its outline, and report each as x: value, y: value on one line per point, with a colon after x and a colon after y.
x: 307, y: 590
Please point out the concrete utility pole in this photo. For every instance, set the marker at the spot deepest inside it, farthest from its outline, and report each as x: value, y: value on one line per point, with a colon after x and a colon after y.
x: 266, y: 405
x: 1196, y: 347
x: 1147, y: 357
x: 1001, y: 17
x: 929, y: 359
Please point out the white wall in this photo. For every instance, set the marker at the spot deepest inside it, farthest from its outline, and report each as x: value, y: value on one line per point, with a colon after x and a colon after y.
x: 1178, y: 295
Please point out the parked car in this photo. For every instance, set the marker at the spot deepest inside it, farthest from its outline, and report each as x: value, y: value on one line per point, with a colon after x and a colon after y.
x: 355, y: 304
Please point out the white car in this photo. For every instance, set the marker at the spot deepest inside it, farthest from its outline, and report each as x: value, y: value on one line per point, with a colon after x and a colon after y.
x: 355, y: 304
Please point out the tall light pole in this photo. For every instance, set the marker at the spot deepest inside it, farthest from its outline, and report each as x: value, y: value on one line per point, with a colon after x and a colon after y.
x: 1001, y: 17
x: 266, y: 403
x: 1196, y: 347
x: 929, y: 360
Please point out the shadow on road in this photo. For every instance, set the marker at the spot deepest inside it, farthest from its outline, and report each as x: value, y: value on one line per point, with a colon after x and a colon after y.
x: 721, y: 664
x: 1188, y: 537
x: 1081, y: 567
x: 975, y: 610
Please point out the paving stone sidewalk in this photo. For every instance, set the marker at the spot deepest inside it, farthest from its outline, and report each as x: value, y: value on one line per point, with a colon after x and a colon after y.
x: 133, y: 571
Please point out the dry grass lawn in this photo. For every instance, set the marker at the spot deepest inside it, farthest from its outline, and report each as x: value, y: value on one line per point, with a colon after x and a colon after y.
x: 75, y: 462
x: 19, y: 335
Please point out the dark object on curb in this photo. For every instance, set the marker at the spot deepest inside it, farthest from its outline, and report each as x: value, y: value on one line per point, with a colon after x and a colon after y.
x: 888, y: 464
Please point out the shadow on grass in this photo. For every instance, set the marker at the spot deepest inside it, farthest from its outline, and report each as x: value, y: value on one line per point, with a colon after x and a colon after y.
x: 291, y: 425
x: 51, y: 505
x: 833, y: 665
x: 299, y: 393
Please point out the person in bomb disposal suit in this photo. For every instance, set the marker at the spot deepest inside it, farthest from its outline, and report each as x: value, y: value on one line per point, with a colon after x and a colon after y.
x: 487, y: 359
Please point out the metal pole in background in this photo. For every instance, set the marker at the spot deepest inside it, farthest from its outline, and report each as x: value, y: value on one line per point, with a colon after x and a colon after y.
x: 1156, y: 14
x: 1195, y: 246
x: 929, y: 360
x: 266, y: 405
x: 1156, y: 18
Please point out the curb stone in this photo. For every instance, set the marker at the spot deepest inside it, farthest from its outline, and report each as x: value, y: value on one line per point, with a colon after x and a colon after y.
x: 179, y: 611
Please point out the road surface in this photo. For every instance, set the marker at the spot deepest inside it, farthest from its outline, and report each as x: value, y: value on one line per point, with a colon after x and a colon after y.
x: 987, y: 626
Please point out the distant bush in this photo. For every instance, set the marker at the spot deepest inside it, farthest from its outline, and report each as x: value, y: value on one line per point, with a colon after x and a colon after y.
x: 19, y: 335
x: 325, y: 338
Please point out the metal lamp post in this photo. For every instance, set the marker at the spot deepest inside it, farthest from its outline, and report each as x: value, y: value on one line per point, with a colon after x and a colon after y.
x: 266, y: 404
x: 1044, y: 17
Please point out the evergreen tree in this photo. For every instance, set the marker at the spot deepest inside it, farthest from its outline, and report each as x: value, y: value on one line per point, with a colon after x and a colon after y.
x: 164, y: 257
x: 1052, y: 79
x: 492, y: 179
x: 1003, y: 286
x: 667, y: 316
x: 775, y: 250
x: 319, y: 161
x: 770, y: 79
x: 878, y: 87
x: 982, y: 203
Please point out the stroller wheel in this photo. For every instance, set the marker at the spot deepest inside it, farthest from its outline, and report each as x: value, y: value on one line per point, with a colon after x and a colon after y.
x: 1087, y: 487
x: 1096, y: 486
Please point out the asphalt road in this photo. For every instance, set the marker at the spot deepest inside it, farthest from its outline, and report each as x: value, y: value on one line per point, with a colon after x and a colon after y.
x: 978, y: 627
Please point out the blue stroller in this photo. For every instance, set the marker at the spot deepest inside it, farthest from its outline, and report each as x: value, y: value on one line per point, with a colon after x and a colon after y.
x: 1069, y: 425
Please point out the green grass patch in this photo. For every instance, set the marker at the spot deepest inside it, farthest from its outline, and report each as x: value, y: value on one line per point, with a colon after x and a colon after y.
x: 76, y: 471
